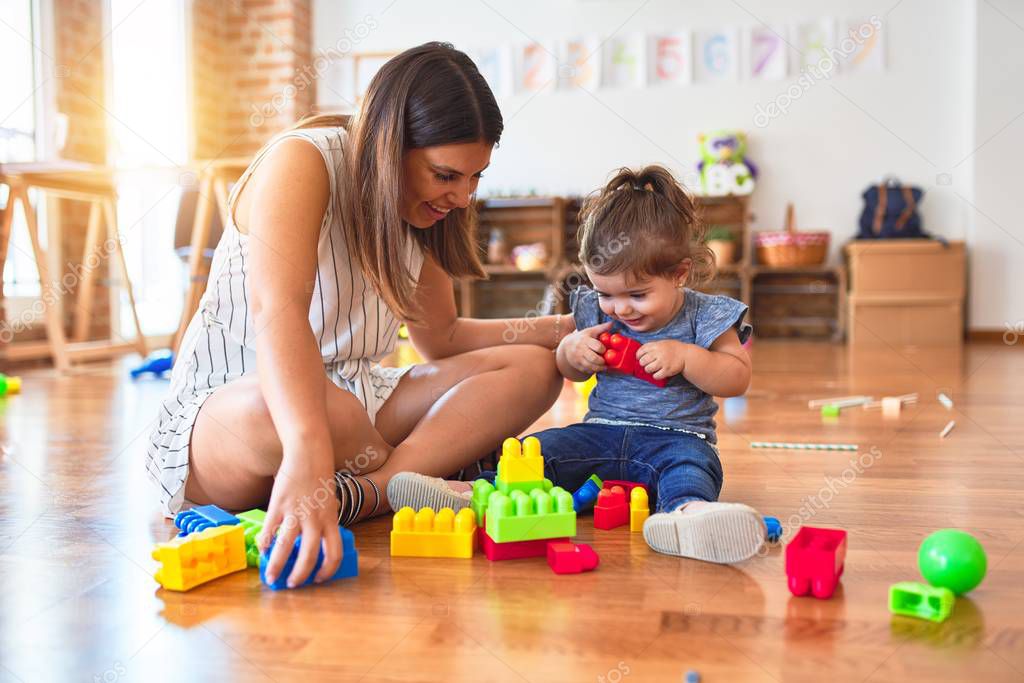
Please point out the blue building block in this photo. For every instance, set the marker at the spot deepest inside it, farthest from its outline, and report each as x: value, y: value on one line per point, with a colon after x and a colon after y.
x: 202, y: 517
x: 692, y: 676
x: 349, y: 562
x: 156, y: 363
x: 585, y: 496
x: 774, y: 529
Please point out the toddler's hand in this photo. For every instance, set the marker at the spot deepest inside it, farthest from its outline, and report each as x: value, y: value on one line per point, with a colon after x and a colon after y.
x: 663, y: 359
x: 583, y: 350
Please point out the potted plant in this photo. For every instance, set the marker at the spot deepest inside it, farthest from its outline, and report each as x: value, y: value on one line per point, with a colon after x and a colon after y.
x: 722, y: 242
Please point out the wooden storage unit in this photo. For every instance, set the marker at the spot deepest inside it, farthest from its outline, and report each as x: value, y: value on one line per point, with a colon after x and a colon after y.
x: 906, y: 293
x: 802, y: 301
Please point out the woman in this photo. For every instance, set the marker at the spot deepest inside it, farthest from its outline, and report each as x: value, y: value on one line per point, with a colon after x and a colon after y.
x: 338, y: 231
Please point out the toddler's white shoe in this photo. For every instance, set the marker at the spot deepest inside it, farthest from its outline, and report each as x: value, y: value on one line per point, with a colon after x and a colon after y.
x: 716, y: 532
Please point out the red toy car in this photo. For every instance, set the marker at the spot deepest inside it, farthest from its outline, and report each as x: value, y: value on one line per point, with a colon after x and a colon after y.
x: 620, y: 354
x: 814, y: 561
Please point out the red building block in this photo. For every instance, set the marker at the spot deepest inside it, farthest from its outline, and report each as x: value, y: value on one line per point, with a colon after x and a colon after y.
x: 620, y: 354
x: 516, y: 550
x: 571, y: 558
x: 612, y: 509
x: 627, y: 486
x: 814, y: 561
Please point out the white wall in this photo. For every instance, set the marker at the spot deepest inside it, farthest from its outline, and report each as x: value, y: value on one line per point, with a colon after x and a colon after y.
x: 915, y: 119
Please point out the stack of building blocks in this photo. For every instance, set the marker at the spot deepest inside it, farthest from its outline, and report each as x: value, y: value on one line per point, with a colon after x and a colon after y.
x: 203, y: 517
x: 620, y: 355
x: 252, y: 524
x: 913, y: 599
x: 348, y: 567
x: 571, y: 558
x: 426, y: 534
x: 586, y: 495
x: 188, y: 561
x: 639, y: 508
x: 815, y: 560
x: 612, y: 509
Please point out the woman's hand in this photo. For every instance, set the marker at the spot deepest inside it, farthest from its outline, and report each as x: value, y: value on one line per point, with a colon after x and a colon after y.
x: 662, y: 359
x: 303, y: 501
x: 582, y: 349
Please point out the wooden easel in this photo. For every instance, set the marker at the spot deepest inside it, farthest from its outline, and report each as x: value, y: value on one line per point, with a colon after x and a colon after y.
x: 214, y: 179
x: 92, y: 184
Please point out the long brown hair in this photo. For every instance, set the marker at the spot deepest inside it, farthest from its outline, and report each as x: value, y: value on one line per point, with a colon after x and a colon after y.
x: 644, y: 223
x: 426, y: 96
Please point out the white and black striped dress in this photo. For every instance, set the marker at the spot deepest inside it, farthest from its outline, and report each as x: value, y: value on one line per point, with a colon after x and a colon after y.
x: 353, y: 326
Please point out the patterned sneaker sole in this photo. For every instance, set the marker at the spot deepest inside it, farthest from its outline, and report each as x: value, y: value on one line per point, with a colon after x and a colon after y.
x: 723, y: 534
x: 408, y: 489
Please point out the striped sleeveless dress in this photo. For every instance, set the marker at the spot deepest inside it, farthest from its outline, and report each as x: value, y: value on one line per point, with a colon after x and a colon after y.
x: 354, y: 327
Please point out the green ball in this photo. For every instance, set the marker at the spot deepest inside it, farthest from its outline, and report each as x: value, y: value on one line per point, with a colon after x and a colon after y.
x: 953, y: 559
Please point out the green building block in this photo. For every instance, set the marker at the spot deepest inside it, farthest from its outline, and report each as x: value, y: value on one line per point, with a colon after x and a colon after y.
x: 482, y: 490
x: 540, y: 514
x: 524, y: 486
x: 920, y: 600
x: 252, y: 525
x: 830, y: 410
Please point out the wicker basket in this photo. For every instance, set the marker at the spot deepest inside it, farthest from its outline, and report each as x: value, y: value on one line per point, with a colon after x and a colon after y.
x: 791, y: 248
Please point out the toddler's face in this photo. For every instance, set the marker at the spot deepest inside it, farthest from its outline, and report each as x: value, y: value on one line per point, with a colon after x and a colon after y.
x: 641, y: 304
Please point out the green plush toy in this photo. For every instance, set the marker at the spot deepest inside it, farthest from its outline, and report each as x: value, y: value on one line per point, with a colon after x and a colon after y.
x: 723, y: 168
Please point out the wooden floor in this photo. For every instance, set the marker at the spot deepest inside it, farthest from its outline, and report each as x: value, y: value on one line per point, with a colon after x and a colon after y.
x: 78, y: 519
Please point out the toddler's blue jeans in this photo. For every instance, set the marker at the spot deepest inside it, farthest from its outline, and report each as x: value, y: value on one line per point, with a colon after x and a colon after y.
x: 676, y: 467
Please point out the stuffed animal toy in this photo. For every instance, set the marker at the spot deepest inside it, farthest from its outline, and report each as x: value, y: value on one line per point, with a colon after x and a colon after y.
x: 723, y: 168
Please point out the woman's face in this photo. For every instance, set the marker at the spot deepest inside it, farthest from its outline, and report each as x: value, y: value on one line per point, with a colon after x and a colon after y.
x: 439, y: 179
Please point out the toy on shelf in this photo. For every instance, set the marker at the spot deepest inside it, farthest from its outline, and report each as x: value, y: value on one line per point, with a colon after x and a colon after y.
x: 426, y: 534
x: 515, y: 550
x: 612, y: 509
x: 348, y: 567
x: 804, y: 446
x: 521, y: 466
x: 252, y: 524
x: 539, y: 514
x: 639, y: 508
x: 188, y: 561
x: 202, y: 517
x: 156, y: 363
x: 571, y: 558
x: 913, y: 599
x: 586, y: 495
x: 814, y: 561
x: 9, y: 385
x: 774, y: 528
x: 620, y: 355
x: 952, y: 559
x: 723, y: 166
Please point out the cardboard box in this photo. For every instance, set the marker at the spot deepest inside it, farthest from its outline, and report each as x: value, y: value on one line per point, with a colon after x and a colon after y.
x: 901, y: 268
x: 905, y: 321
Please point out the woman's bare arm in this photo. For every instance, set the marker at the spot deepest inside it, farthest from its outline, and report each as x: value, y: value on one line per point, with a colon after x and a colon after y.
x: 441, y: 333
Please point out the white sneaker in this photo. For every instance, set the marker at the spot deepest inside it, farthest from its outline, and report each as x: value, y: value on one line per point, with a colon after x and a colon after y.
x: 409, y: 489
x: 718, y: 532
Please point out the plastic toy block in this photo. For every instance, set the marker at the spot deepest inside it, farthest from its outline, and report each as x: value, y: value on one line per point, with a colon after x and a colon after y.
x: 521, y: 463
x: 920, y: 600
x: 571, y: 558
x: 482, y: 490
x: 524, y: 486
x: 156, y: 363
x: 348, y: 567
x: 611, y: 510
x: 202, y: 517
x: 586, y: 495
x: 692, y: 677
x: 625, y: 485
x: 814, y: 561
x: 774, y: 527
x: 830, y: 410
x: 252, y: 523
x: 639, y: 508
x: 539, y: 514
x: 620, y: 355
x: 516, y: 550
x: 188, y: 561
x: 426, y: 534
x: 9, y: 385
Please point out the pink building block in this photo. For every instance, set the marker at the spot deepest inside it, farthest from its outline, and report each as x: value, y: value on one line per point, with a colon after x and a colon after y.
x: 814, y: 561
x: 571, y: 558
x: 620, y: 355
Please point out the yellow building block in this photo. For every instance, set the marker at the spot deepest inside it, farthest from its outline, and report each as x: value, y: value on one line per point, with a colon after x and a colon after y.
x: 425, y: 534
x: 187, y: 561
x: 639, y: 508
x: 521, y: 463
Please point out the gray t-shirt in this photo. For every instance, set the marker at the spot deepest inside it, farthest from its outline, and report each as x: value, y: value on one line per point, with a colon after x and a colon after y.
x: 623, y: 399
